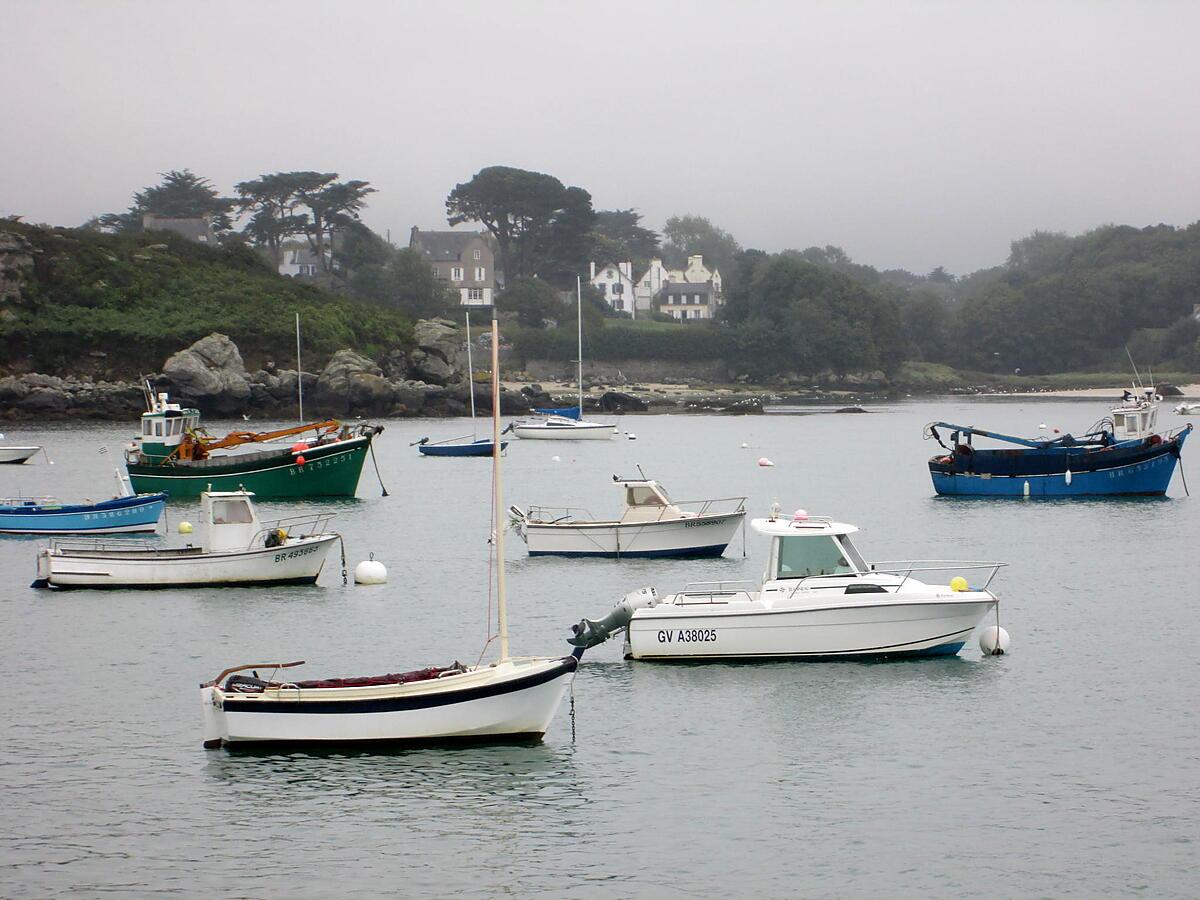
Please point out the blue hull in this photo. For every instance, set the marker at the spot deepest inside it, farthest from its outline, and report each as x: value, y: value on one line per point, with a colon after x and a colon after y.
x: 482, y: 447
x: 140, y: 513
x: 1148, y: 478
x: 684, y: 553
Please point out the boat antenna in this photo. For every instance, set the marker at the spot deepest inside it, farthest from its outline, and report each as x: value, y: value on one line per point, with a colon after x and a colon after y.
x: 1132, y: 363
x: 579, y: 335
x: 497, y: 521
x: 471, y: 376
x: 640, y: 472
x: 299, y: 371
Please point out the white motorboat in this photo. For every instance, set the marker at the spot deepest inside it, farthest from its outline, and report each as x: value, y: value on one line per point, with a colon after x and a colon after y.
x: 235, y: 549
x: 16, y: 455
x: 651, y: 524
x: 818, y: 600
x: 1188, y: 409
x: 514, y: 698
x: 566, y: 424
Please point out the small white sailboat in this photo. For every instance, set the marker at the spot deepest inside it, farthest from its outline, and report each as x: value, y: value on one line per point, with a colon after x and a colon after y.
x: 567, y: 424
x: 13, y: 455
x: 819, y: 599
x: 512, y: 698
x: 651, y: 524
x: 235, y: 549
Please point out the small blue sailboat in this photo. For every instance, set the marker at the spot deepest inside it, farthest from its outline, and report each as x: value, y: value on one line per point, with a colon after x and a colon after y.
x: 45, y: 515
x: 460, y: 446
x: 1121, y: 455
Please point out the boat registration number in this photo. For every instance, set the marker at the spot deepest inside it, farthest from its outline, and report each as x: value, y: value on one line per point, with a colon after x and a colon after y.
x: 687, y: 635
x: 292, y: 554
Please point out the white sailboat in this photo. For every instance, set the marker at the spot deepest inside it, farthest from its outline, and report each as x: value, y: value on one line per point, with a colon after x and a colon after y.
x: 512, y: 698
x: 567, y: 425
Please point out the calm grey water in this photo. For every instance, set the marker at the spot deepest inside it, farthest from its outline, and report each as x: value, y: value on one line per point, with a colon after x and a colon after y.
x: 1070, y: 766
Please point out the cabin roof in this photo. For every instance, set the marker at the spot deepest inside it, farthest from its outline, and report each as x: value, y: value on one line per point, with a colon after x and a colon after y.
x: 786, y: 526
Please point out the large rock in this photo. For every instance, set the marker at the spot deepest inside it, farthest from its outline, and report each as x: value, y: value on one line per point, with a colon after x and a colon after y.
x: 211, y: 374
x: 440, y: 337
x: 12, y: 389
x: 46, y: 400
x: 353, y: 383
x: 430, y: 368
x: 617, y: 402
x: 412, y: 397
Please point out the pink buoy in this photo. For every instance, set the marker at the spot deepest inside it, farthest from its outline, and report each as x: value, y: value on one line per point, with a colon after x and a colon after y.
x: 764, y: 462
x: 299, y: 447
x: 800, y: 515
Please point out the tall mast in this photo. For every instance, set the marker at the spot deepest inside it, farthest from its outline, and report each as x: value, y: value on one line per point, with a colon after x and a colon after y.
x: 579, y: 330
x: 501, y: 599
x: 299, y: 371
x: 471, y: 376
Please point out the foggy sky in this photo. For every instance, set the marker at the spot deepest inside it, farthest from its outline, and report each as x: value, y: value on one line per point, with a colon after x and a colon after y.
x: 912, y: 135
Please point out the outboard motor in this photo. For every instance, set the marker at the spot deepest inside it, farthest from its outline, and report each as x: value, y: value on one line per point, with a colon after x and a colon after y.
x: 589, y: 633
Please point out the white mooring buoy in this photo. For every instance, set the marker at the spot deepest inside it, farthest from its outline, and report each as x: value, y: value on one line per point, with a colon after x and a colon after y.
x: 994, y: 641
x: 745, y: 446
x: 185, y: 527
x: 631, y: 436
x: 556, y: 459
x: 370, y: 571
x: 765, y: 463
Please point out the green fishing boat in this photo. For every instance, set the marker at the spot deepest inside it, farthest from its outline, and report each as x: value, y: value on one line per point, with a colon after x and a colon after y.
x: 174, y: 454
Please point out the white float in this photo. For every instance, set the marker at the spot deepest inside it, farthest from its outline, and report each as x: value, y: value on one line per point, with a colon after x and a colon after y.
x: 370, y: 571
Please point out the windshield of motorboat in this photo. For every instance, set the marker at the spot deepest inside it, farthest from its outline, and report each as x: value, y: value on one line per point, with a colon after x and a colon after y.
x: 803, y: 557
x: 642, y: 496
x: 231, y: 512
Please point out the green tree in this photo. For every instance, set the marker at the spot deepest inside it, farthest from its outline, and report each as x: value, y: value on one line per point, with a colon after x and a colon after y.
x: 618, y: 236
x: 689, y: 235
x: 270, y: 201
x: 404, y: 283
x: 536, y: 221
x: 533, y: 301
x: 180, y: 194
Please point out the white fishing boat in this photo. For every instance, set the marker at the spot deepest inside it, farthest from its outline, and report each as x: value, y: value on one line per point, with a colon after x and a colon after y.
x: 819, y: 599
x: 514, y: 698
x: 1188, y: 409
x: 235, y: 549
x: 650, y: 524
x: 566, y: 424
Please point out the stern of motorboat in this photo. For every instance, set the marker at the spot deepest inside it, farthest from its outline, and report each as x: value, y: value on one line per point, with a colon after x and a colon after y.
x: 593, y: 632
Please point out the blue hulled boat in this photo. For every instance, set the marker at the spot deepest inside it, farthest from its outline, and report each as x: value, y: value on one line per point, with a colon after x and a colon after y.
x: 1121, y: 455
x: 45, y: 515
x: 457, y: 447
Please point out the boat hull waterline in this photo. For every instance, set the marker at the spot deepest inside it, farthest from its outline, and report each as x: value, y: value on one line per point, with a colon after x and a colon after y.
x: 835, y: 631
x: 701, y: 536
x: 580, y: 431
x: 481, y: 447
x: 331, y: 470
x: 122, y: 515
x: 514, y: 699
x: 298, y: 562
x: 16, y: 455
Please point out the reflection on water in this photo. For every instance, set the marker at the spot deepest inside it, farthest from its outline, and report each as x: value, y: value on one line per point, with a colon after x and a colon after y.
x: 1067, y: 766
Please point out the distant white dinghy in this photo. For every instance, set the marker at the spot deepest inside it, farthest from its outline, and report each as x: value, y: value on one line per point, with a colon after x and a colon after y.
x: 235, y: 549
x: 651, y: 524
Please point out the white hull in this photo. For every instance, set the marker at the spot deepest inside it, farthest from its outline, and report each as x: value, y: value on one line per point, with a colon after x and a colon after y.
x: 16, y: 454
x: 582, y: 431
x: 514, y: 698
x: 841, y: 628
x: 699, y: 535
x: 298, y: 561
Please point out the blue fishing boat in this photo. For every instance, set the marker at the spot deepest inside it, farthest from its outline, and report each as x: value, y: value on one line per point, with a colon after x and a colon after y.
x: 1122, y: 455
x: 45, y: 515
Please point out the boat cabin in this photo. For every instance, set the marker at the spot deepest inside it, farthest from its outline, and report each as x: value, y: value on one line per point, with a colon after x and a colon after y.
x: 647, y: 501
x: 229, y: 521
x: 803, y: 546
x: 1136, y: 416
x: 164, y: 425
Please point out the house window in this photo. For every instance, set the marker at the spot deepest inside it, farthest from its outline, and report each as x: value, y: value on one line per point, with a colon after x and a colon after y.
x: 609, y: 273
x: 475, y: 294
x: 475, y: 254
x: 618, y: 289
x: 480, y: 272
x: 696, y: 299
x: 618, y: 304
x: 456, y: 273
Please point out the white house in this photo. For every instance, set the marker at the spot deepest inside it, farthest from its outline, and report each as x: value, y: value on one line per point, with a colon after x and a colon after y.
x: 653, y: 280
x: 297, y: 258
x: 615, y: 283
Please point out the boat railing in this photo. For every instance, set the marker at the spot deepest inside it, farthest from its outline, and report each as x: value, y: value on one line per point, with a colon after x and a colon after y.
x: 907, y: 567
x: 29, y: 501
x: 101, y: 545
x: 710, y: 507
x: 551, y: 515
x: 717, y: 591
x: 294, y: 526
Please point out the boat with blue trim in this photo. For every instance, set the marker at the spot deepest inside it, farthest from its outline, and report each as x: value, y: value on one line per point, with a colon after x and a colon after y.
x: 1121, y: 455
x: 46, y: 515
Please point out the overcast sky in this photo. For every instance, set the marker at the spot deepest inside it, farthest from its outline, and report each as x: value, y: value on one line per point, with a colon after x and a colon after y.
x: 912, y: 135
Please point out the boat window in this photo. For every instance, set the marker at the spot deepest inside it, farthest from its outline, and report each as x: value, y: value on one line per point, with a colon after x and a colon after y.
x: 158, y: 428
x: 231, y: 512
x: 800, y: 557
x: 852, y: 553
x: 641, y: 496
x: 147, y: 428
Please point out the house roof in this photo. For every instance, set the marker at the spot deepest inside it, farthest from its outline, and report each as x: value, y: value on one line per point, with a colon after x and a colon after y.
x: 193, y: 228
x: 443, y: 246
x: 688, y: 287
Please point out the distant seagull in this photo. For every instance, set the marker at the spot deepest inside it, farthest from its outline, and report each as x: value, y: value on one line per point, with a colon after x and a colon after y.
x: 246, y: 417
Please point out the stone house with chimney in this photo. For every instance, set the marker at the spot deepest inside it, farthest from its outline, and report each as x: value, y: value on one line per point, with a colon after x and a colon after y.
x: 464, y: 260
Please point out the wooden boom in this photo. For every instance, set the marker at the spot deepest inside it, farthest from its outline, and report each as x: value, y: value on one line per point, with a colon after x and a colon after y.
x: 195, y: 446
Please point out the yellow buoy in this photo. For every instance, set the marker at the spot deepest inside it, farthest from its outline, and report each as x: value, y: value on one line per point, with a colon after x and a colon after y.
x: 958, y: 583
x: 185, y: 527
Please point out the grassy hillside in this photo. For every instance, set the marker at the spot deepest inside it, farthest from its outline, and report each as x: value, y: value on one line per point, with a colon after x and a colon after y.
x: 120, y: 305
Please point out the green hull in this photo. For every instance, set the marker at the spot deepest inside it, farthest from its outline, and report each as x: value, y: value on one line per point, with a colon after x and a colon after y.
x: 330, y: 471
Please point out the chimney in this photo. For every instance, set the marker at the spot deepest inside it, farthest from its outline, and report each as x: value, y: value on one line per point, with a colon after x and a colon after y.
x: 626, y: 269
x: 592, y: 270
x: 697, y: 261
